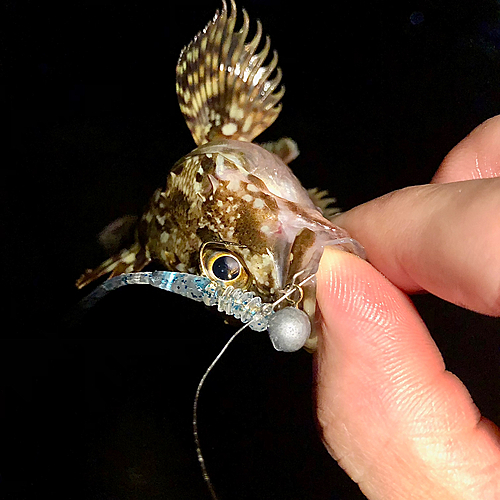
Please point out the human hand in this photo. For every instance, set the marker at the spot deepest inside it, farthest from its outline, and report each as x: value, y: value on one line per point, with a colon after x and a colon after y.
x: 392, y: 416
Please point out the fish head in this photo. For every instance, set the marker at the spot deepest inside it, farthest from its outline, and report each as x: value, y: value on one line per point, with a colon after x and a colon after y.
x: 257, y: 227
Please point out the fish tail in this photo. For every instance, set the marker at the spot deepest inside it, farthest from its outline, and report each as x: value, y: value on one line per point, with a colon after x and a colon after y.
x: 129, y: 260
x: 224, y: 90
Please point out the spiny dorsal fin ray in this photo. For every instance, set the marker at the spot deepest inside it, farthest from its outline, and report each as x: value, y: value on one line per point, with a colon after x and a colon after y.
x: 224, y: 90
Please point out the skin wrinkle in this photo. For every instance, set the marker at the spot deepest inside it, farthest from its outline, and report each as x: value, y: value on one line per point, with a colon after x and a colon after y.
x: 445, y: 409
x: 346, y: 459
x: 402, y: 462
x: 486, y: 470
x: 363, y: 475
x: 405, y: 469
x: 374, y: 311
x: 326, y: 415
x: 404, y: 383
x: 402, y: 388
x: 405, y: 395
x: 387, y: 443
x: 444, y: 462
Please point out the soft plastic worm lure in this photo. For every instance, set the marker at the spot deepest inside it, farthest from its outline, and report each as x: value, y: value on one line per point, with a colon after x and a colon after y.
x: 288, y: 328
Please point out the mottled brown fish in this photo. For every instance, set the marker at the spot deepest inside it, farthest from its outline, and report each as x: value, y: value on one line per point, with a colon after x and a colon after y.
x: 233, y: 210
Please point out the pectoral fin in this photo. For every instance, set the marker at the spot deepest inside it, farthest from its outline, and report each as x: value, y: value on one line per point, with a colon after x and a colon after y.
x: 129, y: 260
x: 284, y: 148
x: 324, y: 202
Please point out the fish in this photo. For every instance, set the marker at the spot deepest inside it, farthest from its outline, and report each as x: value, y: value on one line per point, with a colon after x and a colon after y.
x: 232, y: 210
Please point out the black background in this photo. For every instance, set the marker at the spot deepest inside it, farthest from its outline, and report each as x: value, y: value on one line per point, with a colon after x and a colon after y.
x: 377, y: 94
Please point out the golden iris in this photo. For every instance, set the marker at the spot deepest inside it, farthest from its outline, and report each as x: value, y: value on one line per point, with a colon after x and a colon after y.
x: 225, y: 267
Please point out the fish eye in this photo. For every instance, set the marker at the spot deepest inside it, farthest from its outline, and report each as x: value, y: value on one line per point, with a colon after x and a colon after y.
x: 225, y: 267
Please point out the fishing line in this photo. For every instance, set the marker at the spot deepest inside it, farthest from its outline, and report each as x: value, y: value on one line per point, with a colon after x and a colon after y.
x: 201, y: 460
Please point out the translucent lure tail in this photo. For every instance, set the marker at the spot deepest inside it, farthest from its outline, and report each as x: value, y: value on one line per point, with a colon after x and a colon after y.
x: 224, y: 90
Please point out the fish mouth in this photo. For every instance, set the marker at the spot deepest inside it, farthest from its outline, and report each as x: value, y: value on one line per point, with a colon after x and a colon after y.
x: 306, y: 252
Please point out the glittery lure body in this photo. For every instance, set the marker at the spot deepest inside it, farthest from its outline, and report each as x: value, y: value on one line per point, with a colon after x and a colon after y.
x: 231, y: 198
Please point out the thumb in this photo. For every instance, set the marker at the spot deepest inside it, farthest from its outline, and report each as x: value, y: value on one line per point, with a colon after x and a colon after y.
x: 392, y: 416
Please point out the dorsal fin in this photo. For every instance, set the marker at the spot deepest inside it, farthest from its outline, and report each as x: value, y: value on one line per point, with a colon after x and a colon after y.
x: 223, y: 88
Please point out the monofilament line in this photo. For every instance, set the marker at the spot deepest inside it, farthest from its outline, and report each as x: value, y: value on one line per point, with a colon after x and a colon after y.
x: 289, y: 292
x: 203, y: 466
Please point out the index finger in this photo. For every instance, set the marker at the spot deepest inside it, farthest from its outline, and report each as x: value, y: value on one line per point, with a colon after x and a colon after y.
x: 442, y: 237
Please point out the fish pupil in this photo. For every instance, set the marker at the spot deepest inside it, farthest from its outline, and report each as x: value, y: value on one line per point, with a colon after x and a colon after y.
x: 226, y: 268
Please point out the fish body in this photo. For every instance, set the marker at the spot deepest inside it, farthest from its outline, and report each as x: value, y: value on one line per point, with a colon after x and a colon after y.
x: 232, y: 210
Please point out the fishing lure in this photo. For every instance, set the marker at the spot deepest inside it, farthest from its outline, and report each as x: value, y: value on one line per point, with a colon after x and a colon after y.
x: 232, y: 211
x: 289, y: 328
